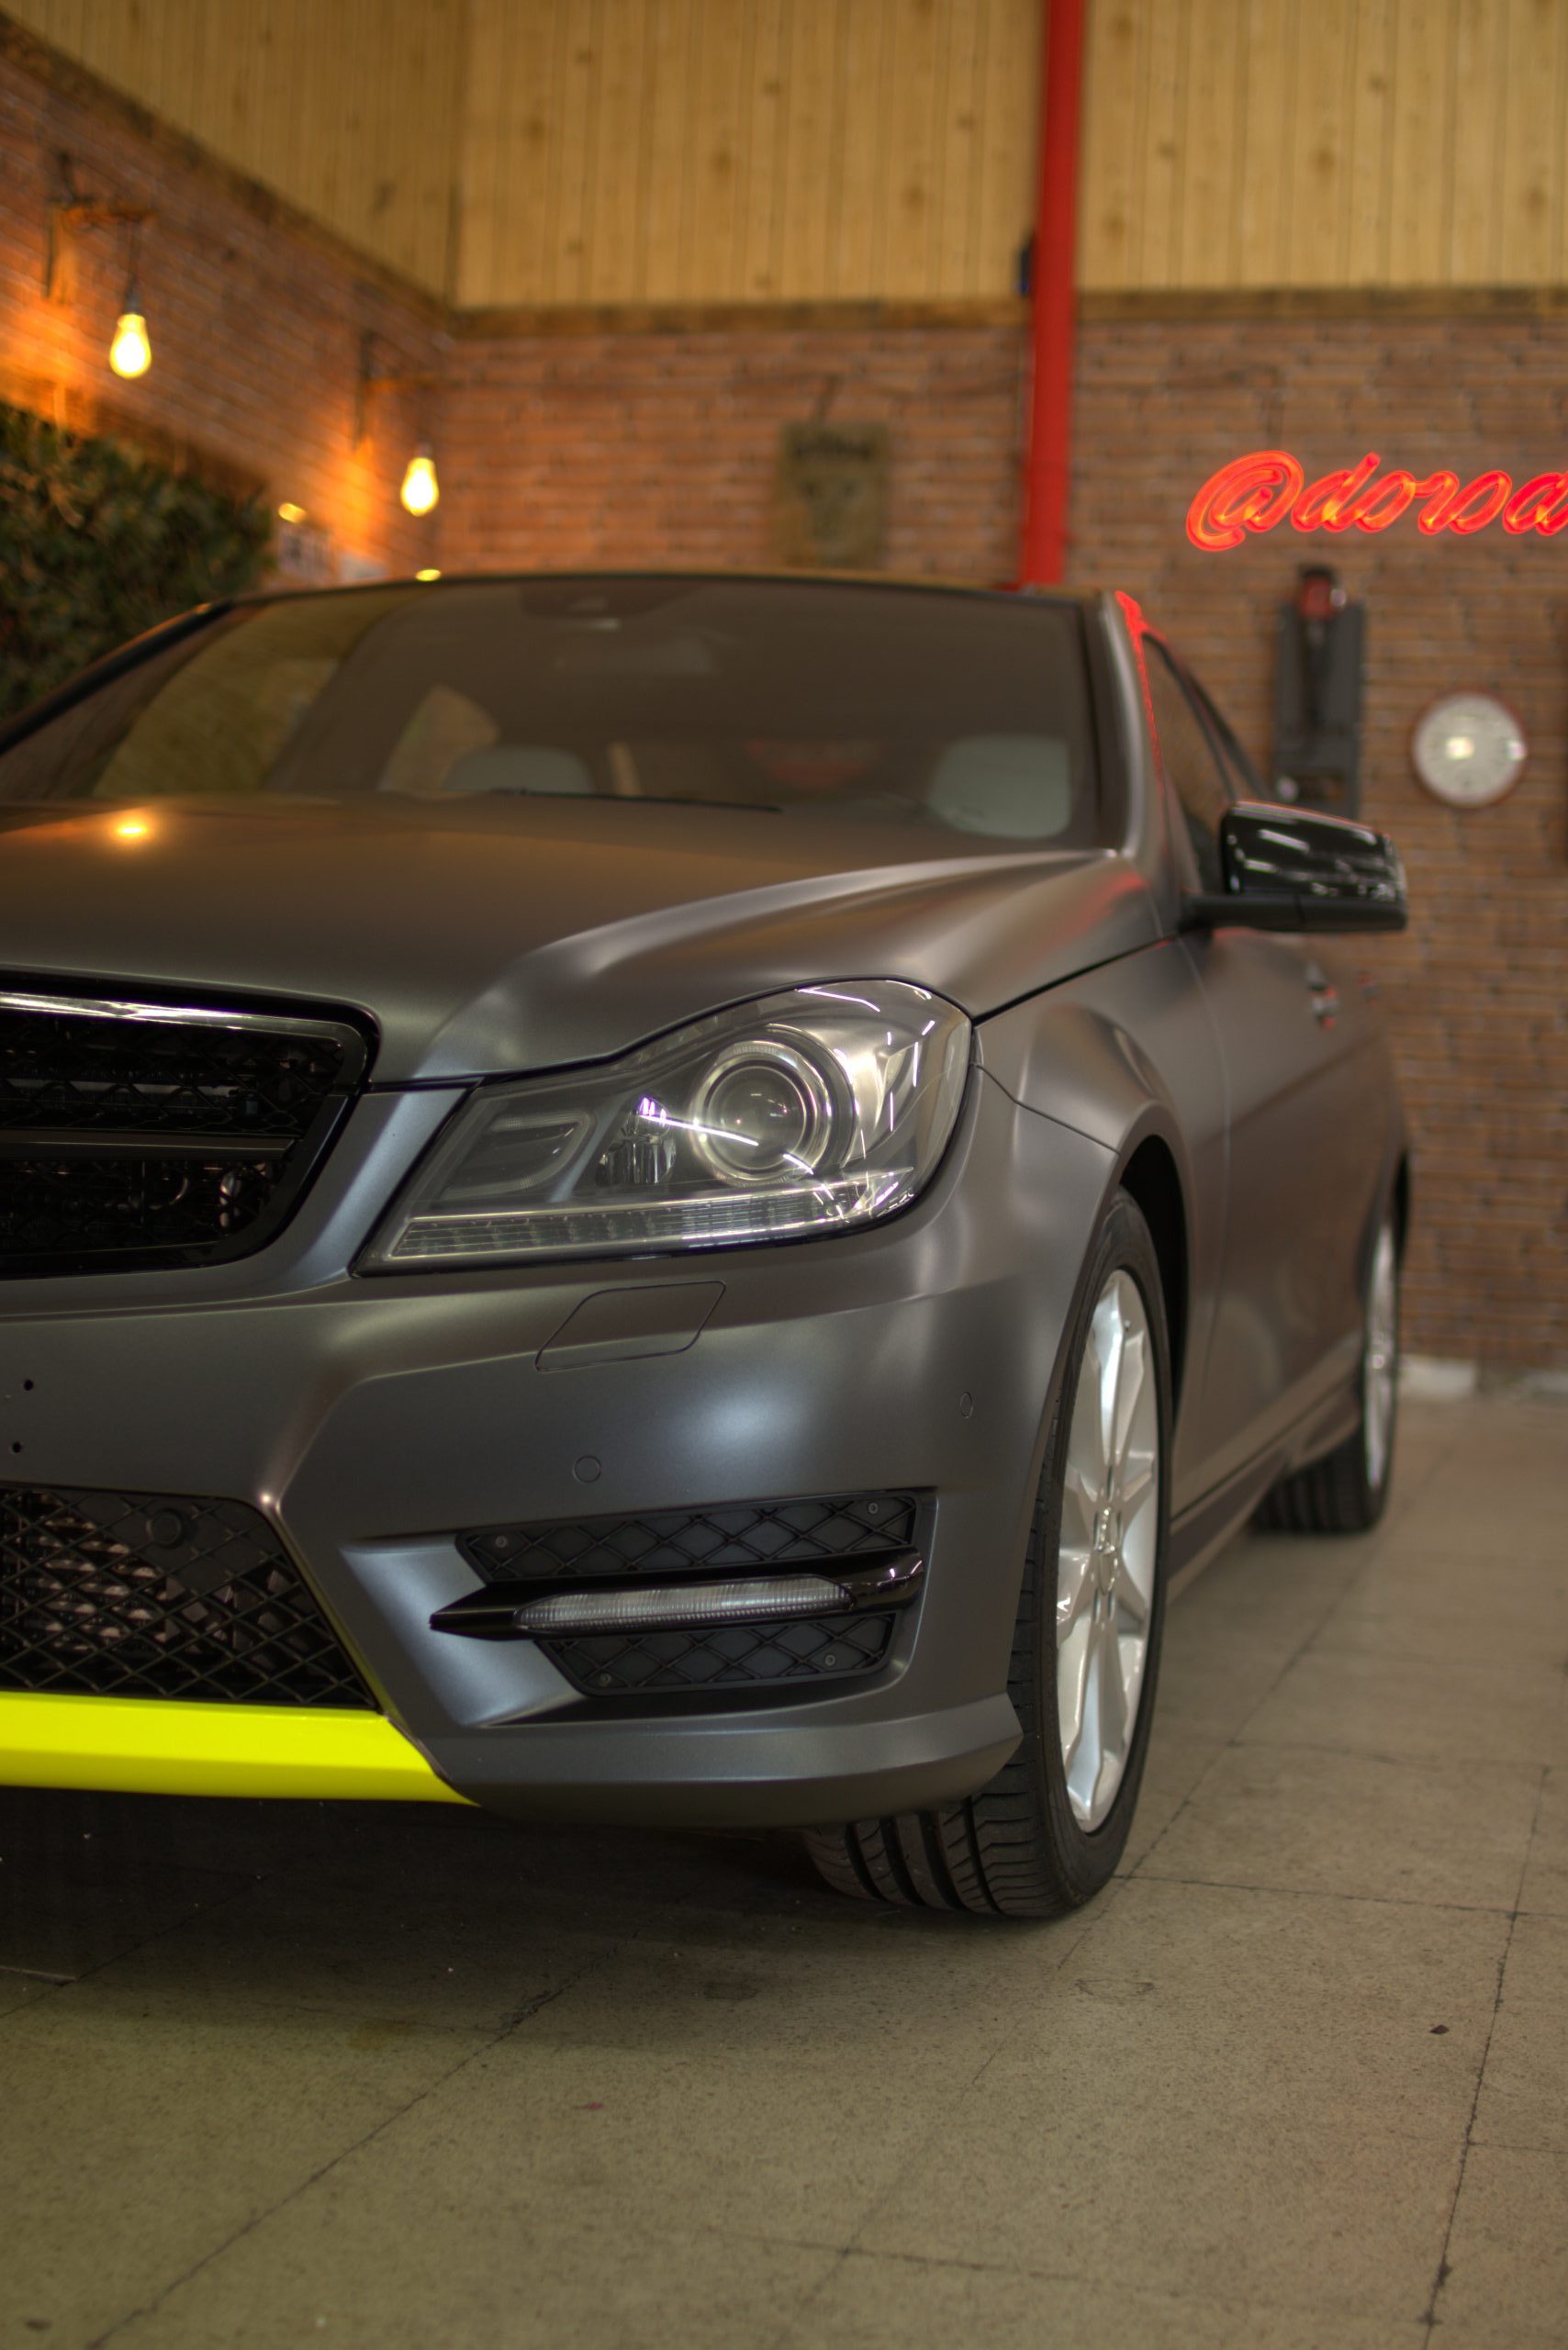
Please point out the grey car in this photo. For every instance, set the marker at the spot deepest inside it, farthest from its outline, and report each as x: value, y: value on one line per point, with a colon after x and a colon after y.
x: 674, y: 1199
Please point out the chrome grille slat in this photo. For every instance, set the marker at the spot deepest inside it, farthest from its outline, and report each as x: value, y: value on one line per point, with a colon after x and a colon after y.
x: 33, y: 1140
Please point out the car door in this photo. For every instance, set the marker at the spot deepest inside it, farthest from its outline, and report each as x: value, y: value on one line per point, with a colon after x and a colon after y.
x: 1303, y: 1160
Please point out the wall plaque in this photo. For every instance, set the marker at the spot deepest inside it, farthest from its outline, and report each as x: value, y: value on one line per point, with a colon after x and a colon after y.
x: 830, y: 505
x: 303, y: 553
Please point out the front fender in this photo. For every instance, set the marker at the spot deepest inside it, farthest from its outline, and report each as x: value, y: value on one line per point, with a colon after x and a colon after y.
x: 1122, y: 1055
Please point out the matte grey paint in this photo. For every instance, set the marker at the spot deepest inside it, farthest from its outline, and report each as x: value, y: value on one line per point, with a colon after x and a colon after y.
x: 628, y: 1324
x: 374, y: 1418
x: 514, y: 935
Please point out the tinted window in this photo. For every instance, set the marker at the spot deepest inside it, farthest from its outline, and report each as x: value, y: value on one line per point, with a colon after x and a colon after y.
x: 970, y: 712
x: 1190, y: 761
x: 1240, y: 775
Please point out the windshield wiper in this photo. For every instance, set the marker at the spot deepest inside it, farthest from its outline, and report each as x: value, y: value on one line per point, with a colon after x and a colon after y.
x: 640, y: 799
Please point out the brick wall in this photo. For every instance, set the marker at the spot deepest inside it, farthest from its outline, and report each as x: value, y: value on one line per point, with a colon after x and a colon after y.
x: 255, y: 316
x: 657, y: 447
x: 1477, y: 988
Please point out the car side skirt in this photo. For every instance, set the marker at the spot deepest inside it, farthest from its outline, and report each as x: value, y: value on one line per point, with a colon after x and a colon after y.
x: 1202, y: 1531
x: 173, y: 1747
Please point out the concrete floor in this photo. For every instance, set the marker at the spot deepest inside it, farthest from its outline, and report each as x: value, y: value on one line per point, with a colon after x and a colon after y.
x: 297, y: 2074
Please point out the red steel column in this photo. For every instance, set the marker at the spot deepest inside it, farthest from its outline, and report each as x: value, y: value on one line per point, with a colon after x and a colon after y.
x: 1046, y: 465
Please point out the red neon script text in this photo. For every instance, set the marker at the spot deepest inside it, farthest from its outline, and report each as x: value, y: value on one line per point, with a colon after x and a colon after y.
x: 1254, y: 493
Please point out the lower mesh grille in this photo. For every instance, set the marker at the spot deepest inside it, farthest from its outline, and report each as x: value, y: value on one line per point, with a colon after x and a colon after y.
x: 159, y: 1595
x: 732, y: 1656
x: 730, y: 1538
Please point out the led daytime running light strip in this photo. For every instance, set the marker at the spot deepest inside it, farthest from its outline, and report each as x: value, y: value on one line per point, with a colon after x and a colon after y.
x: 511, y: 1611
x: 771, y: 1596
x: 801, y: 1207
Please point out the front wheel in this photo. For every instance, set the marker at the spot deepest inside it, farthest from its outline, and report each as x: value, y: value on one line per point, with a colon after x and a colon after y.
x: 1347, y: 1493
x: 1048, y: 1831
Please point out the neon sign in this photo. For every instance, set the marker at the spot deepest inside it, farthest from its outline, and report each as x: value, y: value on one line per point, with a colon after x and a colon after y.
x: 1253, y: 493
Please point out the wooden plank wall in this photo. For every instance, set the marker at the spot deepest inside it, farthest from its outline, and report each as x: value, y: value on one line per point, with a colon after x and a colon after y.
x: 632, y: 151
x: 348, y: 108
x: 1324, y: 142
x: 549, y: 151
x: 747, y: 151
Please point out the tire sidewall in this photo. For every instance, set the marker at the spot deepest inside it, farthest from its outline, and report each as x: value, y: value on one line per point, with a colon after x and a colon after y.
x: 1087, y: 1859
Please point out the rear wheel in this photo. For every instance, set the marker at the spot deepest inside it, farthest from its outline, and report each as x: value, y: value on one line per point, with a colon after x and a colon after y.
x: 1347, y: 1492
x: 1048, y: 1831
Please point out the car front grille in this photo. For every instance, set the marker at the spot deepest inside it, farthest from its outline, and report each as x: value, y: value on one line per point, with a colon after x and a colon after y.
x: 137, y: 1134
x: 159, y: 1595
x: 730, y: 1538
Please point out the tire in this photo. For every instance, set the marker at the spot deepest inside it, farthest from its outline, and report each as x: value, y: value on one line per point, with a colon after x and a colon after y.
x: 1347, y: 1492
x: 1030, y: 1844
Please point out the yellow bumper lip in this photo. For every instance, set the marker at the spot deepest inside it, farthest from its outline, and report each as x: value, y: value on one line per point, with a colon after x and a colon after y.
x: 156, y: 1746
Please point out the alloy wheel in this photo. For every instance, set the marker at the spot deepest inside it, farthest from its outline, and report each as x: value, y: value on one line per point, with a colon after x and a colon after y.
x: 1110, y: 1524
x: 1380, y: 1361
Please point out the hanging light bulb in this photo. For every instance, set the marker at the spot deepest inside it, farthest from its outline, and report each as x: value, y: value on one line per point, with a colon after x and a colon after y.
x: 421, y: 488
x: 130, y: 352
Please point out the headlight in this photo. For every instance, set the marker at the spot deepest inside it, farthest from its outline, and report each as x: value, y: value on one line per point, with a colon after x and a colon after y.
x: 804, y: 1112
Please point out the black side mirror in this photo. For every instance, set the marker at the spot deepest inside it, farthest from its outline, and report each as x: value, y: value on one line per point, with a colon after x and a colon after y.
x: 1286, y: 870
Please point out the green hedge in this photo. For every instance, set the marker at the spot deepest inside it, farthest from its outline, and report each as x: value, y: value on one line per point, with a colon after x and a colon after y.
x: 98, y: 543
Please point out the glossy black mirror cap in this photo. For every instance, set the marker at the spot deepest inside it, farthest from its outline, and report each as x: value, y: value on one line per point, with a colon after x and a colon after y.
x: 1285, y: 909
x: 1287, y: 868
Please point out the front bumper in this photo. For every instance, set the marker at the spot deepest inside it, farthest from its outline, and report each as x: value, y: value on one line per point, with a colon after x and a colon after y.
x: 373, y: 1420
x: 148, y: 1746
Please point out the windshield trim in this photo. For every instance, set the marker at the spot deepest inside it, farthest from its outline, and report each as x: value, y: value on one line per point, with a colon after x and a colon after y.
x: 117, y: 663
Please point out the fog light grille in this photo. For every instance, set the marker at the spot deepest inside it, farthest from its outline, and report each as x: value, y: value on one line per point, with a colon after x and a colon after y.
x: 736, y: 1538
x: 733, y: 1656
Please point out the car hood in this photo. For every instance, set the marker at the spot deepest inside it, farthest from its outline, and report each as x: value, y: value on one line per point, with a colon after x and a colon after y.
x: 486, y: 936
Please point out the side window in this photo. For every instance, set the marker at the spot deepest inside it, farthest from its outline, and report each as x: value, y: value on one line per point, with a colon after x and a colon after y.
x: 1190, y: 762
x: 1239, y: 772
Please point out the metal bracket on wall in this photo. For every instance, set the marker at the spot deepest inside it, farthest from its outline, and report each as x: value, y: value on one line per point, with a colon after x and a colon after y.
x: 372, y: 379
x: 71, y: 215
x: 65, y: 220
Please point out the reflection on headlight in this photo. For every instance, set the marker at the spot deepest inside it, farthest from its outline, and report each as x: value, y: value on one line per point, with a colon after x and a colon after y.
x: 771, y: 1215
x: 807, y: 1112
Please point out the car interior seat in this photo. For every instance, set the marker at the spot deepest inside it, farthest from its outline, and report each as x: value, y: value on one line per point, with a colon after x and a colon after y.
x: 1015, y: 787
x: 525, y: 767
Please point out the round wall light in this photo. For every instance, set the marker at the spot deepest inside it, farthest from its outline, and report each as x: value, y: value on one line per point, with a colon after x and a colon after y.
x: 1469, y: 749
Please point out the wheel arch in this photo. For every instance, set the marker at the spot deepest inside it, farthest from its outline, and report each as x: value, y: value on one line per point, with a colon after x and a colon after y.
x: 1093, y: 1058
x: 1150, y: 1177
x: 1401, y: 1202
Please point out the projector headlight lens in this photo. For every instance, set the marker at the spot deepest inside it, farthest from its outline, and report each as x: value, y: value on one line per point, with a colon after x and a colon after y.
x: 806, y: 1112
x: 763, y: 1110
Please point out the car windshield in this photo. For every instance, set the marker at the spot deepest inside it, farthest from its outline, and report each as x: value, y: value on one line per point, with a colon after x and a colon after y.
x: 965, y: 712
